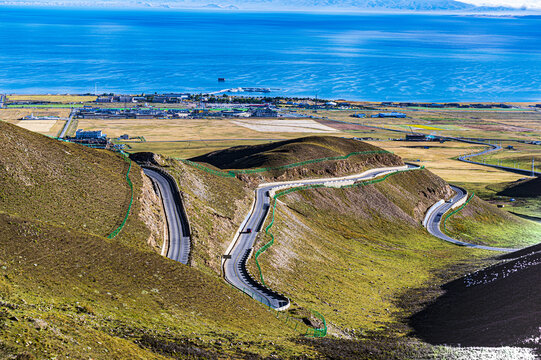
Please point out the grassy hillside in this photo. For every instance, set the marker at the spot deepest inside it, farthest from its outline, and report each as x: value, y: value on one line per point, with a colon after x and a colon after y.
x: 67, y: 291
x: 73, y: 294
x: 63, y: 184
x: 359, y: 256
x: 355, y: 254
x: 217, y: 205
x: 282, y: 153
x: 482, y: 223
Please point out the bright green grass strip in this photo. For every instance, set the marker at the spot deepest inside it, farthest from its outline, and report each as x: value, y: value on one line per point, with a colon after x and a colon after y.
x: 233, y: 173
x: 117, y: 230
x: 455, y: 211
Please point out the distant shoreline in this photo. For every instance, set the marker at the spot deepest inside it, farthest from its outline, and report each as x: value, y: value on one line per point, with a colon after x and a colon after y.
x: 507, y: 13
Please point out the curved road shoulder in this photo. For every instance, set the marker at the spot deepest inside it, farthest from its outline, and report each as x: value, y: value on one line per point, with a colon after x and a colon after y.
x: 434, y: 217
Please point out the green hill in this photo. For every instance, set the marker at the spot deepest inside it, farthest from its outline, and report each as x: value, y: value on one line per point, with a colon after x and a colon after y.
x: 61, y: 183
x: 485, y: 224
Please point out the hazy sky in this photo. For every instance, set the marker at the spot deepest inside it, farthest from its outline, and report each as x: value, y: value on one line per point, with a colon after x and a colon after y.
x: 532, y: 4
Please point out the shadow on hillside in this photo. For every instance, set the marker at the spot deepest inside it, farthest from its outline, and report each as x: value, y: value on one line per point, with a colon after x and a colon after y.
x: 497, y: 306
x: 282, y: 152
x: 523, y: 188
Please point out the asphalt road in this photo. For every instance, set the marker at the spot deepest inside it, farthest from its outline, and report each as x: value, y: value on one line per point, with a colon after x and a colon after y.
x: 435, y: 219
x: 66, y: 125
x: 234, y: 265
x: 179, y: 236
x: 493, y: 148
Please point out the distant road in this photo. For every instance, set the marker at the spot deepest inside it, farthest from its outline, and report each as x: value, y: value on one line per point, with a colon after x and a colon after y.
x: 179, y: 231
x: 464, y: 158
x: 234, y: 264
x: 433, y: 222
x: 492, y: 148
x: 66, y: 125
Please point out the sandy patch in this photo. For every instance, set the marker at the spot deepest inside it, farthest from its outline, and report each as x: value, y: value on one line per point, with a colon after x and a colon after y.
x: 304, y: 125
x: 41, y: 126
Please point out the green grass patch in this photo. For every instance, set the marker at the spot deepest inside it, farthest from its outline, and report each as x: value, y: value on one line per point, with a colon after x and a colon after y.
x: 484, y: 224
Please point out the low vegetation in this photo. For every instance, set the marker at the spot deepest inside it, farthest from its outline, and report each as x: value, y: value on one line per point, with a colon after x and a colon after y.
x: 359, y: 256
x: 372, y: 237
x: 66, y: 290
x: 484, y: 224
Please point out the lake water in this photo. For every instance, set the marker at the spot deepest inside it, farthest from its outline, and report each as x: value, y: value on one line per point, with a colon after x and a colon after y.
x: 370, y: 57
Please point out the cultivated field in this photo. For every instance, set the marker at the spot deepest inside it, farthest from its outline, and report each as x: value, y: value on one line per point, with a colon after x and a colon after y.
x: 186, y: 138
x: 40, y: 126
x: 45, y: 127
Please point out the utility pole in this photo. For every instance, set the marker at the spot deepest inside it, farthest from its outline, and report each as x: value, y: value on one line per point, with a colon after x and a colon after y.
x: 533, y: 166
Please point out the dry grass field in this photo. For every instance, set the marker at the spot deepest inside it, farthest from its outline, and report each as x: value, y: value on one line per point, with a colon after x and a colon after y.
x: 45, y: 127
x: 186, y: 138
x: 438, y: 158
x: 498, y: 124
x: 17, y: 114
x: 191, y: 137
x: 172, y: 129
x: 65, y: 99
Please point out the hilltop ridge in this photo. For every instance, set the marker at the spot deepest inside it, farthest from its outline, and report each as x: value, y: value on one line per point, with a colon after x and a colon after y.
x: 325, y: 155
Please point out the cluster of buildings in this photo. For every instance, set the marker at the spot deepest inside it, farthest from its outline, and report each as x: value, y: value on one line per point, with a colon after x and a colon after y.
x: 161, y: 98
x: 94, y: 139
x: 157, y: 113
x: 446, y: 105
x: 389, y: 115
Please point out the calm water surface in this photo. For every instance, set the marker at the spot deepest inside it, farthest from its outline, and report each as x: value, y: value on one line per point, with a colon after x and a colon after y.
x: 371, y: 57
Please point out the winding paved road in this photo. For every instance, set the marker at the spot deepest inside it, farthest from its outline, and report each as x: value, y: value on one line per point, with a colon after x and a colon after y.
x: 492, y: 148
x: 179, y: 233
x: 235, y: 258
x: 435, y: 218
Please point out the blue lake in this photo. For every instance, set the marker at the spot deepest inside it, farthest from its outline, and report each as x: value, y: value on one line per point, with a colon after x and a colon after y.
x: 369, y: 57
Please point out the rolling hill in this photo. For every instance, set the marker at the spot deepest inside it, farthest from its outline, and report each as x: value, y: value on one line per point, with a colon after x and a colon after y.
x: 347, y: 156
